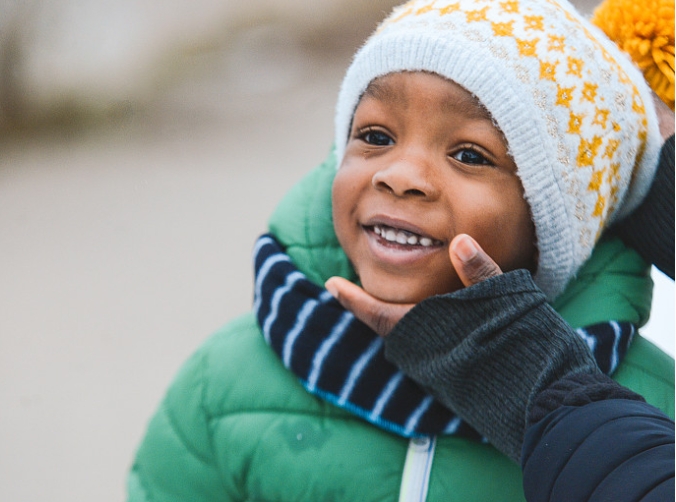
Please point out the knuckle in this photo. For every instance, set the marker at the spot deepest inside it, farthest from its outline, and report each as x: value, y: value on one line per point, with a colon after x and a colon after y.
x: 483, y: 270
x: 383, y: 324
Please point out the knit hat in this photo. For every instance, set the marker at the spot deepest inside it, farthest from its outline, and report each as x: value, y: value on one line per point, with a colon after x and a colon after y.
x: 577, y: 115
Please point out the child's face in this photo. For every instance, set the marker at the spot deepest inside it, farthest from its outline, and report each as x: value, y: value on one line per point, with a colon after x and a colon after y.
x: 424, y: 162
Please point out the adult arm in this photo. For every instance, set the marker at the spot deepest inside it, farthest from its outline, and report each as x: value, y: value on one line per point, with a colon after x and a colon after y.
x: 474, y: 372
x: 486, y: 351
x: 589, y: 438
x: 586, y: 437
x: 649, y: 229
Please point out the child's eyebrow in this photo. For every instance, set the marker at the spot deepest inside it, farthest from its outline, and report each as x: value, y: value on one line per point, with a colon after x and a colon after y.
x: 385, y: 93
x: 470, y: 107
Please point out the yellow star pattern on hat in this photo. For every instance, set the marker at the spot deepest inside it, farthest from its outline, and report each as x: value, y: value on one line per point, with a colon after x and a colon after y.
x: 601, y: 117
x: 556, y: 43
x: 503, y: 29
x: 597, y: 179
x: 534, y: 23
x: 474, y: 16
x: 575, y: 66
x: 600, y: 206
x: 589, y: 91
x: 449, y: 8
x: 588, y: 150
x: 527, y: 47
x: 575, y: 123
x: 548, y: 70
x: 562, y: 67
x: 611, y: 147
x: 510, y: 6
x: 564, y: 95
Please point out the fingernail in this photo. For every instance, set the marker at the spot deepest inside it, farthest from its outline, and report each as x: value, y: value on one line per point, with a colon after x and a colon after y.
x: 331, y: 289
x: 465, y: 249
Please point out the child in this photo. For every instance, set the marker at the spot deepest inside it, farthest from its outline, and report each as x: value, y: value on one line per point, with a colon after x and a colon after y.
x: 515, y: 122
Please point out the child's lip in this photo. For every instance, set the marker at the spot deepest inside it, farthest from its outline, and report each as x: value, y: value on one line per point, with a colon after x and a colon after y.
x: 394, y: 254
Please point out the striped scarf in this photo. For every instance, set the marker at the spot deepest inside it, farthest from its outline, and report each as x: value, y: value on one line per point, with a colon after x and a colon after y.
x: 340, y: 359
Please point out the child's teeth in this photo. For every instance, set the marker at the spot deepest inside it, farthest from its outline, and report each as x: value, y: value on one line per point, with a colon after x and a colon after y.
x: 401, y: 237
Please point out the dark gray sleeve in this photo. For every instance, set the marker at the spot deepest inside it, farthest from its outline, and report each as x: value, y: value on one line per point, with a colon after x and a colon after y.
x: 650, y: 228
x: 486, y: 351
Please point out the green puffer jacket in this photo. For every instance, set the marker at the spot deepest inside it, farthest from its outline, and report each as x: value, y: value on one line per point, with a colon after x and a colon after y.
x: 235, y: 425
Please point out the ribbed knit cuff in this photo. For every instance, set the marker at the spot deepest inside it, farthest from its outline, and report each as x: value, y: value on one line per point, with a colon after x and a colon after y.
x: 577, y: 390
x: 486, y: 351
x: 650, y: 228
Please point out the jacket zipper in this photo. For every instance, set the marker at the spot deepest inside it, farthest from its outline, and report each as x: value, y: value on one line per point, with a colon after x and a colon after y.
x: 416, y: 476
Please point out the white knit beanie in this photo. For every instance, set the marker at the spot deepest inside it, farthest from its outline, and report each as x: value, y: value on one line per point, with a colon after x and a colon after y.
x: 577, y: 115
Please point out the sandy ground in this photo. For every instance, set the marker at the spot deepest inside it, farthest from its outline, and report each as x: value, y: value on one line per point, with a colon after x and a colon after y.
x: 122, y: 247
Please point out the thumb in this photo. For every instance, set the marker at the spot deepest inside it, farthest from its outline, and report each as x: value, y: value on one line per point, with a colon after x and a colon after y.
x: 380, y: 316
x: 471, y: 263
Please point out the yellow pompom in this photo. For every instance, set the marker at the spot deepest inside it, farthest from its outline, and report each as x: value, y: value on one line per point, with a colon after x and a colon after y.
x: 645, y: 30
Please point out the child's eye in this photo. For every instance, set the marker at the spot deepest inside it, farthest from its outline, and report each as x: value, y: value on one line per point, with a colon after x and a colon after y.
x: 472, y: 157
x: 377, y: 138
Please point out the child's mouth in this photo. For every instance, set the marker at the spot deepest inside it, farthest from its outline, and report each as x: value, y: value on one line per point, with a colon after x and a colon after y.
x: 403, y: 237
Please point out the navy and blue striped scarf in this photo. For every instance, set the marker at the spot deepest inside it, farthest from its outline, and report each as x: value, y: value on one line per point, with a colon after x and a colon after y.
x: 340, y: 359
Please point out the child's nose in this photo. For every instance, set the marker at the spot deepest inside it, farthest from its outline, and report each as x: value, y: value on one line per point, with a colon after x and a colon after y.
x: 406, y: 178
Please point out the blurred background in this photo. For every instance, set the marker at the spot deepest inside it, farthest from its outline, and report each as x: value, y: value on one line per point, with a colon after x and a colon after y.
x: 143, y: 145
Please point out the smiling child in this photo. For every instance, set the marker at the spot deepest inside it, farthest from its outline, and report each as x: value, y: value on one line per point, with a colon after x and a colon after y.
x: 515, y: 122
x: 425, y: 162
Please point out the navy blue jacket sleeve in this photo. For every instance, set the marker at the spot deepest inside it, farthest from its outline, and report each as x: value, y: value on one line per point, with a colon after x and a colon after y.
x: 613, y: 450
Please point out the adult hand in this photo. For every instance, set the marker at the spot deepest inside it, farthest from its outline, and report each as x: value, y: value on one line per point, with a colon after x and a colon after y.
x: 471, y: 263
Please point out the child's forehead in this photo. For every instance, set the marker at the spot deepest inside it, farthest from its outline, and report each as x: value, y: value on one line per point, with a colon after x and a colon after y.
x: 396, y: 88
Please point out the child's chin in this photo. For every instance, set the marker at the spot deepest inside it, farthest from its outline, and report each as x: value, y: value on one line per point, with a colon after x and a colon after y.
x: 402, y: 294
